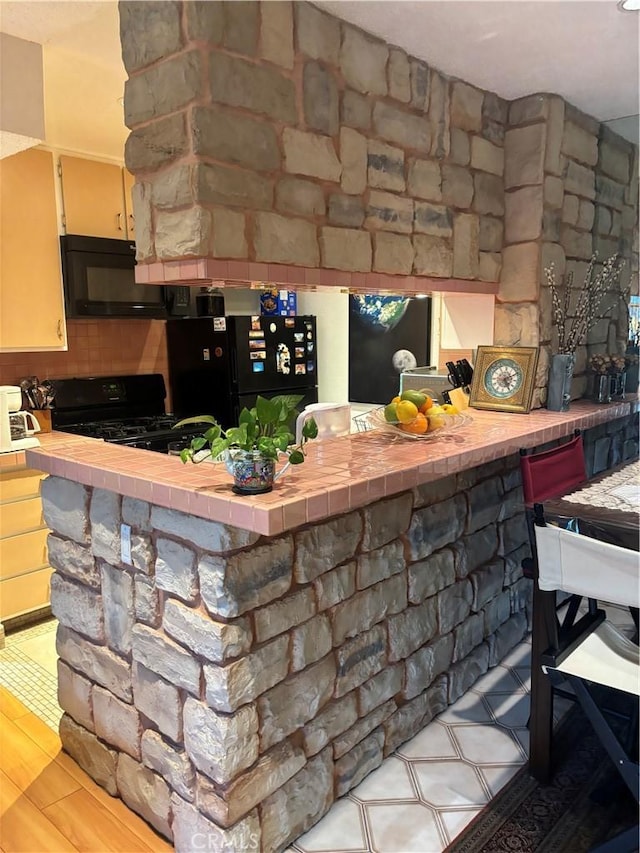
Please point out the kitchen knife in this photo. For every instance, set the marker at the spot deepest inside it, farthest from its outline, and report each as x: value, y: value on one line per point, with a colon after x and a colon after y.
x: 455, y: 379
x: 465, y: 371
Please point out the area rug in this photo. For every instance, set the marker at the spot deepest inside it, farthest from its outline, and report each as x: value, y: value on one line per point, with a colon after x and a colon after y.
x: 585, y: 803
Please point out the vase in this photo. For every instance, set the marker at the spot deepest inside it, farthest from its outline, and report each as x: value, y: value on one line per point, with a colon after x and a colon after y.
x: 253, y: 473
x: 601, y: 388
x: 618, y: 385
x: 559, y: 387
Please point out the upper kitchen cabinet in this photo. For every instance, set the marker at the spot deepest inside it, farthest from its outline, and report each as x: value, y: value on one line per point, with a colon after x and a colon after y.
x: 96, y: 198
x: 31, y: 298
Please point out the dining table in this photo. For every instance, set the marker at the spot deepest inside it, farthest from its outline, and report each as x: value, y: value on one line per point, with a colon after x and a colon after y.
x: 606, y: 507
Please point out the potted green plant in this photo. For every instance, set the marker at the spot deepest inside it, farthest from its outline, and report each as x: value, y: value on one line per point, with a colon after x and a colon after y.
x: 250, y: 449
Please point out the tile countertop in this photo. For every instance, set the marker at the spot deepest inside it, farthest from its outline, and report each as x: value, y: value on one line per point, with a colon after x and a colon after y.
x: 338, y: 475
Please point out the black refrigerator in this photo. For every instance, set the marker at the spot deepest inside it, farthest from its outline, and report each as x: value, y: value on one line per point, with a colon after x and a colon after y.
x: 219, y: 365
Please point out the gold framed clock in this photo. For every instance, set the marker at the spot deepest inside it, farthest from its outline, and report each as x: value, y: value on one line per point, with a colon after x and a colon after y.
x: 503, y: 379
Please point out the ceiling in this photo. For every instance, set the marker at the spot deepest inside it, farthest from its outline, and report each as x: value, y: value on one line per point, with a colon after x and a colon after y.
x: 585, y: 50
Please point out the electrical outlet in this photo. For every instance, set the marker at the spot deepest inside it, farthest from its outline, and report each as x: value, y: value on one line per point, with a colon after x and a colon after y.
x: 125, y: 544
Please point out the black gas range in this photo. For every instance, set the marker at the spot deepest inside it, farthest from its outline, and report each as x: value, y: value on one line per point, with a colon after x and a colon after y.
x: 127, y: 410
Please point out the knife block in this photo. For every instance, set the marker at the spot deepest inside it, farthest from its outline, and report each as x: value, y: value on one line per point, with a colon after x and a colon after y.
x: 459, y: 399
x: 43, y: 416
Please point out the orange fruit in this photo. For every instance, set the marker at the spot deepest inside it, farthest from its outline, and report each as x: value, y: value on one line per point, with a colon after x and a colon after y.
x: 418, y: 426
x: 426, y: 405
x: 396, y: 399
x: 406, y: 411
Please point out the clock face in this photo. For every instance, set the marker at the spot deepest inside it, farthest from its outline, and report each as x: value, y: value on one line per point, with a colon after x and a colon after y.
x: 503, y: 378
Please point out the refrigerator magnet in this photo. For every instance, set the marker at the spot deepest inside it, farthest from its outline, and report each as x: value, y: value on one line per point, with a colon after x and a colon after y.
x: 310, y: 347
x: 219, y: 324
x: 299, y: 352
x: 300, y: 368
x: 298, y: 337
x: 290, y: 323
x: 283, y: 360
x: 256, y: 333
x: 258, y: 366
x: 310, y: 366
x: 259, y: 355
x: 255, y: 324
x: 257, y: 344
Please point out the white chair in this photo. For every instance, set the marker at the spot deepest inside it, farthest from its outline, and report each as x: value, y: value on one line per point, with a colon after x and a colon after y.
x: 595, y: 653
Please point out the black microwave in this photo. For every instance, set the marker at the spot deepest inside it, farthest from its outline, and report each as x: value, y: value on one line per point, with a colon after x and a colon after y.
x: 99, y: 281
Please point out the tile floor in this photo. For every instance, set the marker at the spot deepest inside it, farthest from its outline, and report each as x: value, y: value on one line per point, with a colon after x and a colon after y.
x: 420, y: 798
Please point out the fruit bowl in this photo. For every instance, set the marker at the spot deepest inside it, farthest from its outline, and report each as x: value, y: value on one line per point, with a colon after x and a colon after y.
x: 438, y: 425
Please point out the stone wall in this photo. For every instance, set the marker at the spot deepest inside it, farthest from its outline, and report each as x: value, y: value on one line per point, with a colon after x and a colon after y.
x: 274, y: 132
x: 571, y: 189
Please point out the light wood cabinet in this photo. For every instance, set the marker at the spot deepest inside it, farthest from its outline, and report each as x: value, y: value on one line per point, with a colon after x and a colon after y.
x: 31, y: 297
x: 96, y: 198
x: 24, y: 568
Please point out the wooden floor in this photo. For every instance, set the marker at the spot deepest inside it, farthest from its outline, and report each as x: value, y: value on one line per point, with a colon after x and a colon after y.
x: 47, y: 803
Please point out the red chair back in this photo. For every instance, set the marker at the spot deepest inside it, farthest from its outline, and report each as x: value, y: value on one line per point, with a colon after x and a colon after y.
x: 553, y: 473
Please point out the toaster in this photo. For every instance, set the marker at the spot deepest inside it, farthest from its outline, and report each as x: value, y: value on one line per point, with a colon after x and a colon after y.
x: 430, y: 378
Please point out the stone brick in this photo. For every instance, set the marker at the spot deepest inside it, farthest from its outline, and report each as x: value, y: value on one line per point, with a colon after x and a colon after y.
x: 485, y: 501
x: 380, y: 688
x: 519, y: 281
x: 65, y: 505
x: 345, y: 210
x: 360, y: 659
x: 298, y: 804
x: 380, y: 564
x: 181, y: 233
x: 235, y: 138
x: 146, y: 602
x: 241, y: 26
x: 166, y: 658
x: 238, y: 683
x: 399, y: 75
x: 433, y: 219
x: 323, y: 546
x: 145, y: 792
x: 431, y: 575
x: 579, y: 180
x: 143, y: 554
x: 228, y: 234
x: 220, y: 745
x: 553, y: 192
x: 495, y: 108
x: 488, y: 196
x: 353, y: 767
x: 284, y: 614
x: 497, y: 611
x: 516, y: 325
x: 163, y: 89
x: 336, y: 586
x: 205, y: 21
x: 388, y: 212
x: 523, y: 215
x: 276, y: 33
x: 320, y: 98
x: 570, y: 209
x: 602, y: 218
x: 530, y: 108
x: 614, y: 161
x: 158, y: 700
x: 355, y: 110
x: 288, y: 706
x: 439, y: 116
x: 176, y: 569
x: 486, y: 156
x: 466, y: 672
x: 433, y: 256
x: 411, y: 629
x: 271, y: 771
x: 524, y: 156
x: 486, y: 583
x: 476, y: 549
x: 96, y: 662
x: 116, y: 722
x: 227, y: 186
x: 310, y: 642
x: 401, y: 127
x: 141, y: 200
x: 310, y: 154
x: 576, y: 244
x: 457, y: 186
x: 425, y: 179
x: 363, y: 62
x: 609, y: 192
x: 393, y: 253
x: 345, y: 249
x: 239, y: 83
x: 466, y: 106
x: 190, y: 826
x: 454, y: 605
x: 466, y: 230
x: 318, y: 34
x: 421, y: 77
x: 414, y: 715
x: 490, y: 235
x: 73, y: 560
x: 357, y: 733
x: 74, y: 695
x: 77, y: 607
x: 520, y: 598
x: 118, y: 605
x: 215, y: 641
x: 368, y: 607
x: 385, y: 166
x: 172, y: 764
x: 156, y: 144
x: 579, y: 144
x: 513, y: 533
x: 426, y: 664
x: 490, y: 265
x: 94, y: 757
x: 295, y: 195
x: 460, y: 147
x: 586, y: 215
x: 281, y: 239
x: 353, y: 156
x: 329, y: 723
x: 160, y: 24
x: 386, y: 520
x: 506, y: 638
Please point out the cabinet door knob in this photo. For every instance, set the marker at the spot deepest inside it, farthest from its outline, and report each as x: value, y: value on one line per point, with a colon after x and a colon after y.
x: 119, y: 222
x: 132, y: 222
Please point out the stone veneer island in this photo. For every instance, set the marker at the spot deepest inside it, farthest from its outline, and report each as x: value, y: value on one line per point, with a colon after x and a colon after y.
x: 230, y: 685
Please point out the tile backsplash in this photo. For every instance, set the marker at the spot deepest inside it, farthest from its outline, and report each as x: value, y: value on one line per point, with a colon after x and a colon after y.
x: 96, y: 348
